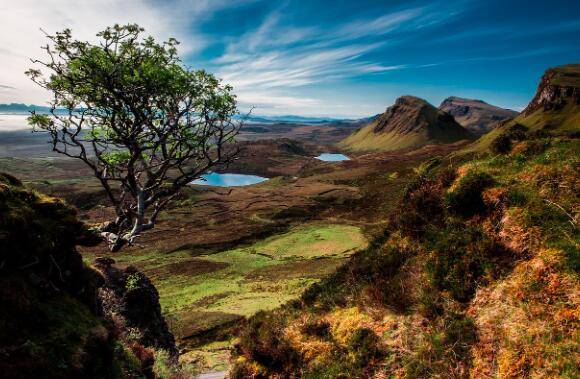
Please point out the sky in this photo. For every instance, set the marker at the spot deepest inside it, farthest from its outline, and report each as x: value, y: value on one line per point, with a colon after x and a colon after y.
x: 322, y: 58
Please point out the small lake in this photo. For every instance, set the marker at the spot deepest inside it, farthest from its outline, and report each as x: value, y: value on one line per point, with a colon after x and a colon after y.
x: 332, y: 157
x: 228, y: 180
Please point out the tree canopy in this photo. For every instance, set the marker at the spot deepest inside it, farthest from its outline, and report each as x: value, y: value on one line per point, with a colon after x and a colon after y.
x: 143, y: 122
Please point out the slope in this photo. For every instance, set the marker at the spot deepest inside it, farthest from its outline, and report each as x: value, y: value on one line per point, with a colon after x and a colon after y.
x: 555, y: 107
x: 476, y: 116
x: 410, y: 123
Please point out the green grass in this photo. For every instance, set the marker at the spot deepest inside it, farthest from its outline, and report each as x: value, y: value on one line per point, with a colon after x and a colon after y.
x: 564, y: 120
x: 245, y: 280
x: 242, y: 293
x: 366, y: 139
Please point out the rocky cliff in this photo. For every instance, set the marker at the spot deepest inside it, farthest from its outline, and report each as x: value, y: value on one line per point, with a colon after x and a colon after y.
x: 560, y: 86
x: 476, y: 116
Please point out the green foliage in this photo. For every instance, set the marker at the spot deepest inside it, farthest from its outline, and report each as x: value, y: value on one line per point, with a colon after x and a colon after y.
x: 138, y: 117
x: 517, y: 132
x: 460, y: 258
x: 132, y: 281
x: 116, y: 158
x: 502, y: 144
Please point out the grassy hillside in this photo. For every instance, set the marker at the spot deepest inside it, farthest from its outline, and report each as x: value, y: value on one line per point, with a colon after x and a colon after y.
x: 476, y: 276
x: 566, y: 119
x: 555, y: 108
x: 365, y: 139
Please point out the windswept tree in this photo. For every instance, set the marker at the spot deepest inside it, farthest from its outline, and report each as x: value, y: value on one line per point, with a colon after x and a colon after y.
x: 145, y: 124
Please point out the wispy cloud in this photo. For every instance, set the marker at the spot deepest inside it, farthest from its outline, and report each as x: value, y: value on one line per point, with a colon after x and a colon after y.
x: 275, y: 56
x: 498, y: 57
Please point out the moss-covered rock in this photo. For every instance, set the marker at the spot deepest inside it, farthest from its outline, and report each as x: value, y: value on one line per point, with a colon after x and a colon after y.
x: 51, y: 323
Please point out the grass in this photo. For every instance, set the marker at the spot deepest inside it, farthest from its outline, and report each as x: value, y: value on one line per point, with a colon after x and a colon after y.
x: 237, y: 284
x: 366, y: 139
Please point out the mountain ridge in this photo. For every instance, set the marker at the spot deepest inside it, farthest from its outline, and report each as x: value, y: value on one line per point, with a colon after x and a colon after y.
x: 477, y: 116
x: 411, y: 122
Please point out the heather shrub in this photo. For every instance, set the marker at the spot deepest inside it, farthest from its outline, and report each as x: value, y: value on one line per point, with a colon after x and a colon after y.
x: 465, y: 196
x: 363, y: 345
x: 262, y: 341
x: 460, y: 258
x: 459, y: 333
x: 517, y: 132
x: 501, y: 144
x: 316, y: 328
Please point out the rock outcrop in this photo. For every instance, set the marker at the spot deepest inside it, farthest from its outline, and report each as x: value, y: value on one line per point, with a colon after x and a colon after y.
x: 409, y: 123
x: 559, y: 86
x: 129, y: 301
x: 58, y: 317
x: 476, y: 116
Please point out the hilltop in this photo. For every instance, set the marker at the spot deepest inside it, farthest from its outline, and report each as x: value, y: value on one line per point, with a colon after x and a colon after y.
x: 555, y: 107
x: 477, y: 116
x: 410, y: 123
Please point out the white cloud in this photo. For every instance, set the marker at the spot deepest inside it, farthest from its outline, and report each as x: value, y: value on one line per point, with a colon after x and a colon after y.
x: 21, y: 38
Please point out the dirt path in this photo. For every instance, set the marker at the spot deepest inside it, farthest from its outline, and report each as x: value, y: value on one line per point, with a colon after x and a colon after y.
x: 213, y: 375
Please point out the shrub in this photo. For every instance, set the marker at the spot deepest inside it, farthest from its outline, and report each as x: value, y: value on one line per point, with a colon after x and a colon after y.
x: 501, y: 144
x: 429, y: 301
x: 465, y: 197
x: 459, y: 334
x: 262, y: 341
x: 317, y: 328
x: 517, y: 132
x: 364, y: 346
x: 439, y: 353
x: 461, y: 256
x: 421, y: 204
x: 534, y: 147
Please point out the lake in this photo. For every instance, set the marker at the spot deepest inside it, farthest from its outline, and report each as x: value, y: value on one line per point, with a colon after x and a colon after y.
x: 332, y: 157
x: 228, y: 180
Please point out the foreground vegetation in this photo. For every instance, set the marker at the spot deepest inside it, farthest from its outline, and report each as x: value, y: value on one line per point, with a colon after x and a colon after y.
x: 477, y: 275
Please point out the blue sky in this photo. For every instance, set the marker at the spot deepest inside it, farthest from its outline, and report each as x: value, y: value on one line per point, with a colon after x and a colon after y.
x: 343, y: 58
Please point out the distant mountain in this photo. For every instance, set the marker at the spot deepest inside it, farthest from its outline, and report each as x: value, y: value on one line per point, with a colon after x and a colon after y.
x: 476, y: 116
x: 291, y: 119
x: 410, y: 123
x: 18, y: 108
x: 24, y: 109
